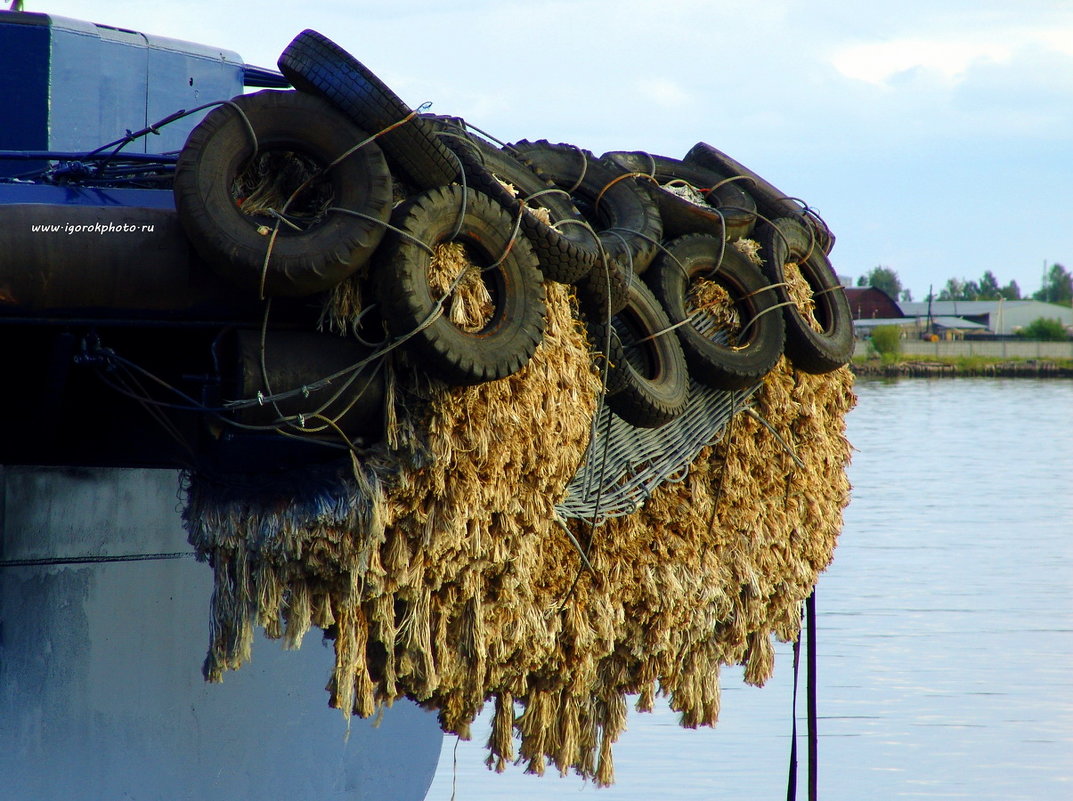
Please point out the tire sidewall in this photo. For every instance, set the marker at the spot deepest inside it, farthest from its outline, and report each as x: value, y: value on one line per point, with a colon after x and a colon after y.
x: 567, y: 253
x: 219, y: 148
x: 403, y: 288
x: 786, y: 240
x: 711, y: 362
x: 646, y: 401
x: 625, y: 217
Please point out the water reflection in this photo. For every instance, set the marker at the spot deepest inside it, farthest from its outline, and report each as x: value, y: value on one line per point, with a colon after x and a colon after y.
x: 946, y: 624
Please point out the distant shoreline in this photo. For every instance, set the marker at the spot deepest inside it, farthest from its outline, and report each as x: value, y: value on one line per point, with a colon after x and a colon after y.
x: 957, y: 368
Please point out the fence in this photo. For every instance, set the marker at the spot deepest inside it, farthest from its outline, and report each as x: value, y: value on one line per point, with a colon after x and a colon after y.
x: 998, y: 350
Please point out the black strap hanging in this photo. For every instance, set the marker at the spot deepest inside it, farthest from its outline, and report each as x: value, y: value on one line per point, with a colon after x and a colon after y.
x: 791, y: 781
x: 809, y: 616
x: 813, y: 734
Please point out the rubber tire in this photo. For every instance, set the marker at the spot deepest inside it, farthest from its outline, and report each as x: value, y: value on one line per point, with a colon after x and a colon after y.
x: 314, y: 63
x: 604, y: 291
x: 787, y: 240
x: 657, y: 395
x: 718, y: 365
x: 626, y: 218
x: 734, y: 212
x: 772, y: 201
x: 400, y: 282
x: 566, y: 254
x: 301, y: 263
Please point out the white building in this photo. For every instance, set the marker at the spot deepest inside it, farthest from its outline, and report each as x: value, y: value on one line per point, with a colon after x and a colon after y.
x: 999, y: 316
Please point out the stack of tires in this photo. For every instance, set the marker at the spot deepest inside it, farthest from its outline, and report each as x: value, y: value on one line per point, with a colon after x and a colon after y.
x: 290, y: 193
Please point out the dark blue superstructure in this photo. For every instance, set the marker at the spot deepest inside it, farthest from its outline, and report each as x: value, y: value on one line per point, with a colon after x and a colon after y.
x: 48, y: 194
x: 70, y: 85
x: 93, y: 259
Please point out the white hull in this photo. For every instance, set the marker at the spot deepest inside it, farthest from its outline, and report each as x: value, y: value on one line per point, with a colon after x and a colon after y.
x: 101, y: 694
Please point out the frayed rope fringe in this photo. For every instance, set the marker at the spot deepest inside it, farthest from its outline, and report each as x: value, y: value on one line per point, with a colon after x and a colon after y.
x: 436, y: 565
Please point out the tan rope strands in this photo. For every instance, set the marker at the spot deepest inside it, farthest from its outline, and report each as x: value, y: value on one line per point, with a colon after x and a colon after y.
x: 801, y: 294
x: 440, y: 568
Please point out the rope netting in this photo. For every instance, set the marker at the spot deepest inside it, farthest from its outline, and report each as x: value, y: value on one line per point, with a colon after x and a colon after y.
x: 624, y: 464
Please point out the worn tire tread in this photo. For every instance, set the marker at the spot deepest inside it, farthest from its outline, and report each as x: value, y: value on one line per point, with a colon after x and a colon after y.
x: 313, y: 63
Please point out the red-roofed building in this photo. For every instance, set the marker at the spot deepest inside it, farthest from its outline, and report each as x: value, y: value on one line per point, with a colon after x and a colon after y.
x: 869, y: 302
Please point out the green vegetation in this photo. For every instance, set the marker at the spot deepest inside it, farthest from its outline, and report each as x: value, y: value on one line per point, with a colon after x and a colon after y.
x: 886, y: 279
x: 1044, y: 329
x: 987, y: 288
x: 886, y: 342
x: 1057, y: 286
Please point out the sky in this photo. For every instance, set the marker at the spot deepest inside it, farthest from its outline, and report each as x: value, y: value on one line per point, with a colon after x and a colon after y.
x: 935, y: 138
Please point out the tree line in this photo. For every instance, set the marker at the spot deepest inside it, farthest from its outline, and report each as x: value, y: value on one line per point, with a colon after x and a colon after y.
x: 1057, y: 287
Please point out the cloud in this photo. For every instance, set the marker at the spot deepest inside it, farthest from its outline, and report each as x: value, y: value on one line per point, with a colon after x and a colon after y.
x: 947, y: 58
x: 880, y: 62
